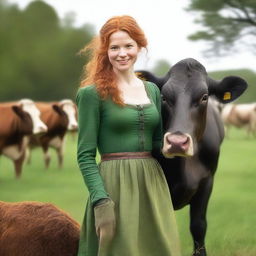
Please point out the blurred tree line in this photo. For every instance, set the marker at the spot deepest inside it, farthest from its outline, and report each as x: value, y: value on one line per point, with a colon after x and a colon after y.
x: 39, y: 53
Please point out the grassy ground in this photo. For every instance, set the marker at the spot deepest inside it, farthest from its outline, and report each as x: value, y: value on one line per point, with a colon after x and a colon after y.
x: 231, y: 211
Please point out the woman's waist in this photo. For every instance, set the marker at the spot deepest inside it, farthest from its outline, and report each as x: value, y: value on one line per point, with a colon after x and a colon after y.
x: 125, y: 155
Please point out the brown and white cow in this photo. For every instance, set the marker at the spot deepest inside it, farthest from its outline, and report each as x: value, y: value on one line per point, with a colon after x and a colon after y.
x: 18, y: 120
x: 240, y: 116
x: 36, y: 229
x: 60, y: 117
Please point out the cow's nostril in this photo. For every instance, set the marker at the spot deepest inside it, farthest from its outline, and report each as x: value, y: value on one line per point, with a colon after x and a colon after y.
x: 177, y: 139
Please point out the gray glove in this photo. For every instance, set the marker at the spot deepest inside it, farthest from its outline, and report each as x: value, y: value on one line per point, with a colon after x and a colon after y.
x: 105, y: 224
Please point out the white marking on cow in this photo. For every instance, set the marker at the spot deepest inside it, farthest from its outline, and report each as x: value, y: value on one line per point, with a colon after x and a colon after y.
x: 30, y: 107
x: 166, y: 147
x: 14, y: 152
x: 69, y: 108
x: 56, y: 142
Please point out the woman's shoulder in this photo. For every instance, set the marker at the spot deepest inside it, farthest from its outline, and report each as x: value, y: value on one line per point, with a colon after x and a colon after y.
x: 88, y: 92
x: 153, y: 88
x: 91, y: 89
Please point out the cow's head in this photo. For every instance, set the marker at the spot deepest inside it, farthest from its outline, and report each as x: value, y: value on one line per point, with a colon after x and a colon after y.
x: 68, y: 108
x: 30, y: 115
x: 185, y: 91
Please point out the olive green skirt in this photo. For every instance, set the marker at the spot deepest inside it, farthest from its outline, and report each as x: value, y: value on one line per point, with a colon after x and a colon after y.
x: 146, y: 224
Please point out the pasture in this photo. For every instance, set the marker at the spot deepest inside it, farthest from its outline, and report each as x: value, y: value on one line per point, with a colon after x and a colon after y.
x: 231, y: 211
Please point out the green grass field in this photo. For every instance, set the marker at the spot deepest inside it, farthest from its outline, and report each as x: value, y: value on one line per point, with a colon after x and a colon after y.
x: 231, y: 212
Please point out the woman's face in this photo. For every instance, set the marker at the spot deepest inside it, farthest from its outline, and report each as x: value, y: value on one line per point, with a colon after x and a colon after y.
x: 122, y: 51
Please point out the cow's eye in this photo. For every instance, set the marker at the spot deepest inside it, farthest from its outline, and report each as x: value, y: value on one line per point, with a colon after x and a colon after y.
x: 204, y: 99
x: 163, y: 98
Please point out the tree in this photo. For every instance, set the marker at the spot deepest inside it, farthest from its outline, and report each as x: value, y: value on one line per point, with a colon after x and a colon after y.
x: 227, y: 23
x: 38, y: 53
x: 161, y: 67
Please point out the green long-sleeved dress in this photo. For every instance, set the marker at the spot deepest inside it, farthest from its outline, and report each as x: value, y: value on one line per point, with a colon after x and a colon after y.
x: 145, y: 218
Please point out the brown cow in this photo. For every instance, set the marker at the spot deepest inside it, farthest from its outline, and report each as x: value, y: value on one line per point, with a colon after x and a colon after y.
x: 36, y: 229
x: 18, y: 120
x: 240, y: 116
x: 59, y: 117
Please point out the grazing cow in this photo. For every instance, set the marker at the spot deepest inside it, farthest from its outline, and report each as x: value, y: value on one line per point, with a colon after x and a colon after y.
x: 193, y: 132
x: 18, y: 120
x: 240, y: 116
x: 36, y: 229
x: 59, y: 117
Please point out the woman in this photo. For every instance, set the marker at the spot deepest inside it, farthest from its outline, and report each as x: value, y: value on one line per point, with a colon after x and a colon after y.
x: 129, y: 210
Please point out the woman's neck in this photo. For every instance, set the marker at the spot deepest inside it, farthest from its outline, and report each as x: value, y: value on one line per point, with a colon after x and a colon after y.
x: 127, y: 79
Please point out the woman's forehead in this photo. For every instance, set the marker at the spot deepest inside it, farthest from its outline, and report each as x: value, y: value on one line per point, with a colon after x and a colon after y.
x: 120, y: 36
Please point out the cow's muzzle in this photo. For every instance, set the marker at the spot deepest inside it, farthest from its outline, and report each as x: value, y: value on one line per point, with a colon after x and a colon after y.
x: 177, y: 144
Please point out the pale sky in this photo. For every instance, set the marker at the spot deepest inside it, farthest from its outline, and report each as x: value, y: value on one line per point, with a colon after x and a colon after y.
x: 164, y: 22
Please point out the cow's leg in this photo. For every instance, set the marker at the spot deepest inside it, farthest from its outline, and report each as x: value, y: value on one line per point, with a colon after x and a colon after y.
x: 252, y: 126
x: 59, y: 151
x: 57, y: 143
x: 28, y: 155
x: 47, y: 157
x: 226, y: 129
x: 18, y: 165
x: 198, y: 222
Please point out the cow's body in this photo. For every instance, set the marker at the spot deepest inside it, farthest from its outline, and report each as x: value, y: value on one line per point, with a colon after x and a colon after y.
x: 18, y: 120
x: 36, y: 229
x: 59, y: 117
x: 193, y: 133
x: 240, y: 116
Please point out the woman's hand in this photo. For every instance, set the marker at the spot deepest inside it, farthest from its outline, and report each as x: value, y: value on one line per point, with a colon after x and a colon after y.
x: 105, y: 222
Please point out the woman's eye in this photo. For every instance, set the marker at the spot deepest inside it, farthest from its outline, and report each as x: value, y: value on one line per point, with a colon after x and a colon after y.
x: 129, y: 46
x: 113, y: 47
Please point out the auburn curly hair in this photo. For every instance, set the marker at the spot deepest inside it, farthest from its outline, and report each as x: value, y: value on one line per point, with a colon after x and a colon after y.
x: 99, y: 70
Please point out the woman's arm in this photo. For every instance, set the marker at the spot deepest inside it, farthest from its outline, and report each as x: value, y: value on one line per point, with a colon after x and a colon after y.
x: 88, y: 104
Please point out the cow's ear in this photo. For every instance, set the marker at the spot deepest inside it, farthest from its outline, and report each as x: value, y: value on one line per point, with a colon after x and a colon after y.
x: 18, y: 111
x: 58, y: 109
x: 228, y: 89
x: 148, y: 76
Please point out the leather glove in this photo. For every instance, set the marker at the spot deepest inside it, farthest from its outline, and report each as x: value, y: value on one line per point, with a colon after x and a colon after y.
x: 105, y: 222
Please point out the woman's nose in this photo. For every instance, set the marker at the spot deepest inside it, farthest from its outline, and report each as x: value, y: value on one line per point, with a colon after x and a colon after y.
x: 122, y: 52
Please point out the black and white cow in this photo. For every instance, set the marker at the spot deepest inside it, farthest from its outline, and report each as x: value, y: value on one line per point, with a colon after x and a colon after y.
x: 193, y: 132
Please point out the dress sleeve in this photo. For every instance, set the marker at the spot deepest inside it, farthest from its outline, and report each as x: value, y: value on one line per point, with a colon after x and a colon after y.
x: 158, y: 133
x: 88, y: 104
